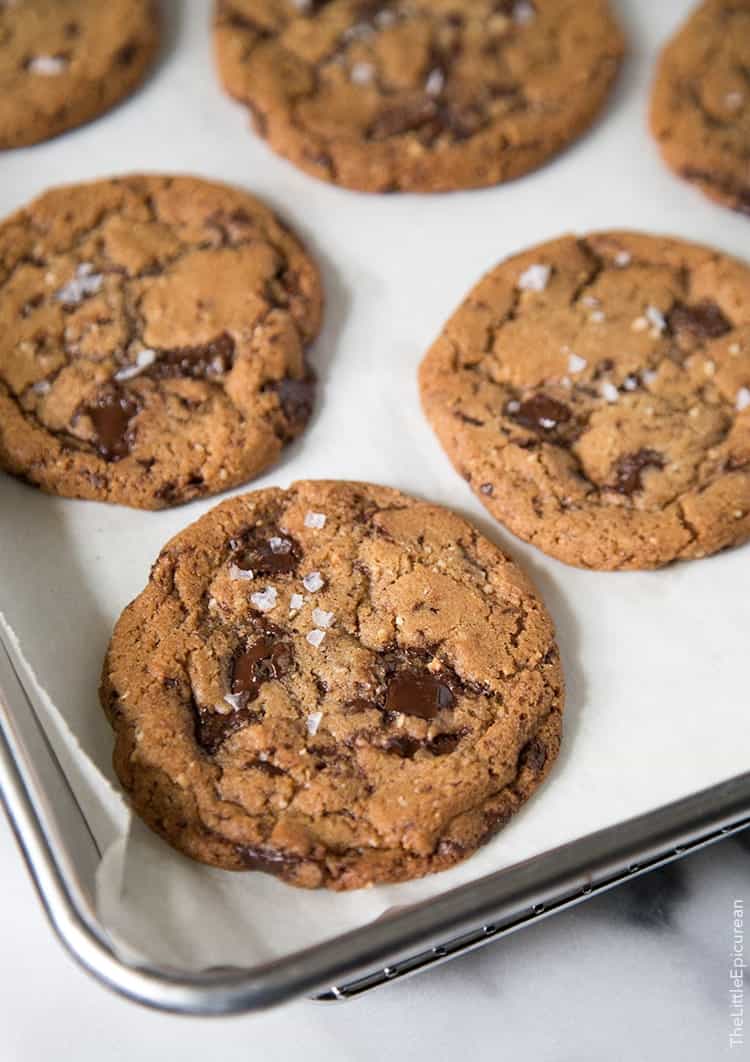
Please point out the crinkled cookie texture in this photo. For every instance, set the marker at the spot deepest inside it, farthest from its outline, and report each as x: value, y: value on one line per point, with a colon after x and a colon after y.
x: 337, y: 684
x: 418, y: 95
x: 64, y: 62
x: 700, y: 106
x: 595, y: 393
x: 152, y: 340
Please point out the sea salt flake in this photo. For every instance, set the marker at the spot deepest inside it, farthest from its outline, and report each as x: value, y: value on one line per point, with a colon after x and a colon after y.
x: 321, y: 618
x: 315, y: 520
x: 144, y: 359
x: 265, y: 600
x: 576, y: 363
x: 235, y: 700
x: 743, y: 399
x: 41, y: 387
x: 656, y: 318
x: 734, y: 100
x: 630, y: 383
x: 296, y: 601
x: 590, y: 300
x: 623, y: 258
x: 523, y: 12
x: 85, y: 282
x: 435, y: 82
x: 649, y: 376
x: 384, y: 19
x: 610, y: 392
x: 513, y: 406
x: 279, y: 545
x: 547, y: 422
x: 535, y: 278
x: 236, y: 572
x: 316, y: 637
x: 597, y: 316
x: 362, y: 73
x: 313, y: 722
x: 48, y: 65
x: 313, y: 581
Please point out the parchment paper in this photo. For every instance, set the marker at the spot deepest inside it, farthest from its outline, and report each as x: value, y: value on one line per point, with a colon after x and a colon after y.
x: 656, y: 663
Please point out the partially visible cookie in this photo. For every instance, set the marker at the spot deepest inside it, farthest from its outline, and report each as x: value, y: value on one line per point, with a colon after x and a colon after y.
x: 700, y: 105
x: 64, y: 62
x: 418, y: 95
x: 153, y: 333
x: 336, y: 683
x: 595, y: 393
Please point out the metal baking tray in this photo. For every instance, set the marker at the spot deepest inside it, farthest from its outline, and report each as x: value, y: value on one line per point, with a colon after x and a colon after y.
x: 62, y: 857
x: 386, y: 302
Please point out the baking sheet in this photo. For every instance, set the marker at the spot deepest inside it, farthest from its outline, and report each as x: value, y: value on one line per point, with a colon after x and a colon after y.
x: 655, y: 662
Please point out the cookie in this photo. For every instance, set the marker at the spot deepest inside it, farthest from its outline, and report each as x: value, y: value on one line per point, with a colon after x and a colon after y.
x: 152, y: 340
x: 595, y: 393
x: 64, y: 62
x: 336, y: 683
x: 418, y: 95
x: 700, y: 105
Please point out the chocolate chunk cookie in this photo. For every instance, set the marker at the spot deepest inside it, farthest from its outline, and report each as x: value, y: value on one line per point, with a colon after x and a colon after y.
x: 337, y: 684
x: 64, y: 62
x: 418, y: 95
x: 700, y: 107
x: 595, y: 393
x: 152, y: 340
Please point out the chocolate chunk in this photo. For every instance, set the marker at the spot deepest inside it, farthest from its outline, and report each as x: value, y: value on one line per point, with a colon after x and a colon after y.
x: 269, y: 860
x: 267, y: 551
x: 704, y: 320
x: 406, y: 746
x: 209, y: 359
x: 540, y: 413
x: 359, y: 704
x: 213, y: 728
x: 404, y: 117
x: 403, y: 746
x: 444, y: 744
x: 111, y: 416
x: 534, y: 755
x: 263, y: 660
x: 418, y: 693
x: 628, y: 469
x: 296, y: 398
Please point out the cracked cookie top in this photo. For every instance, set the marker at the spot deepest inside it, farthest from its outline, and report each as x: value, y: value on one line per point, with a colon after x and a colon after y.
x: 335, y: 683
x: 595, y: 393
x: 700, y: 105
x: 418, y: 95
x: 152, y: 340
x: 63, y: 62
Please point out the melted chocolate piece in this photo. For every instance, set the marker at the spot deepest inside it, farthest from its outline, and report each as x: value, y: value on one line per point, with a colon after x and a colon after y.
x: 267, y: 552
x: 404, y: 117
x: 269, y: 860
x: 213, y: 728
x: 406, y: 746
x: 704, y: 320
x: 359, y: 704
x: 418, y: 693
x: 265, y: 659
x: 209, y: 359
x: 296, y: 398
x: 534, y: 755
x: 111, y: 415
x: 541, y: 413
x: 628, y: 469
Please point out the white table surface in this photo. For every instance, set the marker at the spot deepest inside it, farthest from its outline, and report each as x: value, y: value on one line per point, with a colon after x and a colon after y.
x: 638, y: 975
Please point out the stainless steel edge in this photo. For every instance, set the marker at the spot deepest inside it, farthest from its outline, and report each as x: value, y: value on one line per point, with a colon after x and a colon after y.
x: 392, y: 947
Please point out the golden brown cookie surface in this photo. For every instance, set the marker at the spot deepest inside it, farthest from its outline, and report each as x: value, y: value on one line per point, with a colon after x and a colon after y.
x: 700, y: 106
x: 152, y: 340
x: 336, y: 683
x: 418, y: 95
x: 63, y: 62
x: 595, y: 392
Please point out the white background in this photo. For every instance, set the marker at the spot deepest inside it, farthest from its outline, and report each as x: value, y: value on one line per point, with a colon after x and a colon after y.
x: 612, y: 178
